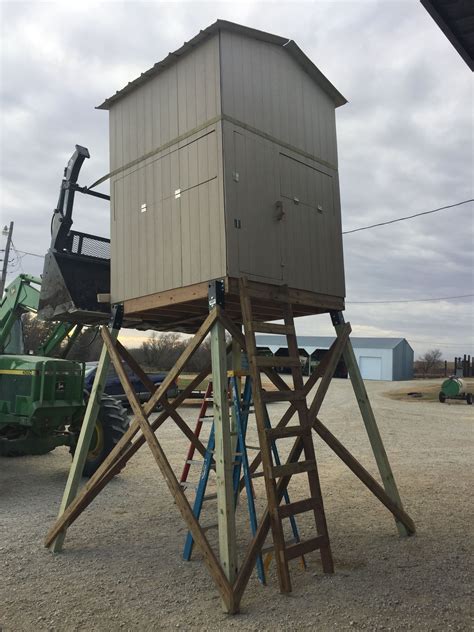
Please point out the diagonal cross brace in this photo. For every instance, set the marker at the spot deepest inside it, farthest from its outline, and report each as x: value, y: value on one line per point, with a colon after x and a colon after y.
x: 182, y: 502
x: 97, y: 482
x: 123, y: 447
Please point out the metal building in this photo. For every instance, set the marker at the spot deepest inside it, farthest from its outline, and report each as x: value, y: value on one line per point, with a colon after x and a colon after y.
x: 378, y: 358
x: 224, y: 164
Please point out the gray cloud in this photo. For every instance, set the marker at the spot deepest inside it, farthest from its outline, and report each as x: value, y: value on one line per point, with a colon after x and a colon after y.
x: 405, y: 137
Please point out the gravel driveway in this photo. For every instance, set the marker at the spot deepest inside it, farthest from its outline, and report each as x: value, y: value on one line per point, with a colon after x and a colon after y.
x: 122, y: 569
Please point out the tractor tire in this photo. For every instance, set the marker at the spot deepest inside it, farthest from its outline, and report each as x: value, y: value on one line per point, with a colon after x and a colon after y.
x: 112, y: 423
x: 442, y: 397
x: 469, y: 399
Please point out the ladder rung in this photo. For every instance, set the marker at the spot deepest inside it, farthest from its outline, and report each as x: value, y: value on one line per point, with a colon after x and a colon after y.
x: 282, y: 396
x: 287, y: 431
x: 272, y: 361
x: 273, y: 328
x: 256, y: 474
x: 271, y: 547
x: 297, y: 507
x: 301, y: 548
x: 209, y: 526
x: 253, y: 447
x: 210, y: 497
x: 212, y: 465
x: 289, y: 469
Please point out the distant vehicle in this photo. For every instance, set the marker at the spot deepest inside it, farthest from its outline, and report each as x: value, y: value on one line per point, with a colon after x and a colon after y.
x: 114, y: 387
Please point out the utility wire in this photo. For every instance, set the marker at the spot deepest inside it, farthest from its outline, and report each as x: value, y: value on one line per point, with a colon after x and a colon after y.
x: 401, y: 219
x: 32, y: 254
x: 414, y: 300
x: 345, y: 232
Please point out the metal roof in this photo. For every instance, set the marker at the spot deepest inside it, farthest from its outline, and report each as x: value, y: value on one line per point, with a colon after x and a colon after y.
x: 311, y: 343
x: 456, y: 19
x: 289, y: 45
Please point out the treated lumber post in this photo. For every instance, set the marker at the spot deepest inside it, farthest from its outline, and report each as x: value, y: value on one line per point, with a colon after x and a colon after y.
x: 370, y: 423
x: 87, y: 430
x: 223, y: 453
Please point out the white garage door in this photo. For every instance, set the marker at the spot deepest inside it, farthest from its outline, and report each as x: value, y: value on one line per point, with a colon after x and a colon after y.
x: 370, y: 367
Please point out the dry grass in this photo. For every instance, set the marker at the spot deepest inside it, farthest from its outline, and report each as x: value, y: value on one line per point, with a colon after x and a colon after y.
x: 426, y: 392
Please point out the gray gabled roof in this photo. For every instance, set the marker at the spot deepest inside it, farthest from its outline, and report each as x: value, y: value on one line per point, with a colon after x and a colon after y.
x: 289, y: 45
x: 311, y: 343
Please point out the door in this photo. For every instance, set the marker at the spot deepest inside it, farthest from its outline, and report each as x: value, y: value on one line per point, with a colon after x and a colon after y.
x: 256, y: 217
x: 370, y: 367
x: 308, y: 204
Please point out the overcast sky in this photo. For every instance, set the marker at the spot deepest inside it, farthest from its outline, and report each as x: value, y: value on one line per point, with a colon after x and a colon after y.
x: 405, y: 139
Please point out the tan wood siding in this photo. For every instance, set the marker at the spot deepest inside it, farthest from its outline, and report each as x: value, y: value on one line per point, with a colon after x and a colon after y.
x: 303, y: 248
x: 179, y: 99
x: 263, y: 87
x: 313, y: 240
x: 274, y: 141
x: 178, y: 238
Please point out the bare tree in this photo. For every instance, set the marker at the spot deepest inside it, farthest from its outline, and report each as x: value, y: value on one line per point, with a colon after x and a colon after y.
x: 430, y: 361
x: 161, y: 351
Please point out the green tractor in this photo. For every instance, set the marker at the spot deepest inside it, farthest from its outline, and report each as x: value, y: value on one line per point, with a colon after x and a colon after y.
x: 42, y: 399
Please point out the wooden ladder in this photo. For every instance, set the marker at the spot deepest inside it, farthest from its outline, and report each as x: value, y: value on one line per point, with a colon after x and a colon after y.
x: 277, y: 477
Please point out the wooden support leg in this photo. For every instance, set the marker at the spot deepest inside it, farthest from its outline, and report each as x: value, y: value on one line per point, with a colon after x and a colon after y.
x: 223, y: 454
x: 85, y: 436
x: 368, y: 416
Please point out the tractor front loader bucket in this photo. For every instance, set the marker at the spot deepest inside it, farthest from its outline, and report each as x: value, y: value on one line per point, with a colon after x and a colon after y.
x: 72, y: 280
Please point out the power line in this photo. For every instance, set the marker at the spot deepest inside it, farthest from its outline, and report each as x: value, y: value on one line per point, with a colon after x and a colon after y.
x: 19, y: 258
x: 346, y: 232
x: 32, y: 254
x: 415, y: 300
x: 401, y: 219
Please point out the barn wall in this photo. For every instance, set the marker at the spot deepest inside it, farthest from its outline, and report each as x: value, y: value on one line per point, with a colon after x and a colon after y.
x: 403, y: 357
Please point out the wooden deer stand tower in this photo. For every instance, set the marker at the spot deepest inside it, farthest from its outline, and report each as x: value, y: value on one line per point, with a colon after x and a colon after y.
x: 225, y: 213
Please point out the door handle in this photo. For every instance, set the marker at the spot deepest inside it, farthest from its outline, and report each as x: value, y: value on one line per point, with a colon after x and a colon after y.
x: 279, y: 212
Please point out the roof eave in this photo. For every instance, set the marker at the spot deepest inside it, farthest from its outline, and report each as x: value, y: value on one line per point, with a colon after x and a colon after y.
x: 290, y: 45
x: 450, y: 34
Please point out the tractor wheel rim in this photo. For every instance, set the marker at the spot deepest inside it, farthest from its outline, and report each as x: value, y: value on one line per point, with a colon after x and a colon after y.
x: 97, y: 442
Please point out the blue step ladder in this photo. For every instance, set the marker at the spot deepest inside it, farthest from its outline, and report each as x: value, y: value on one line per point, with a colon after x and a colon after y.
x: 242, y: 408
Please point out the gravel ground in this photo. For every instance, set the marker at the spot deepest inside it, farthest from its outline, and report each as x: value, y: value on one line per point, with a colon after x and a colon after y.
x: 122, y: 569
